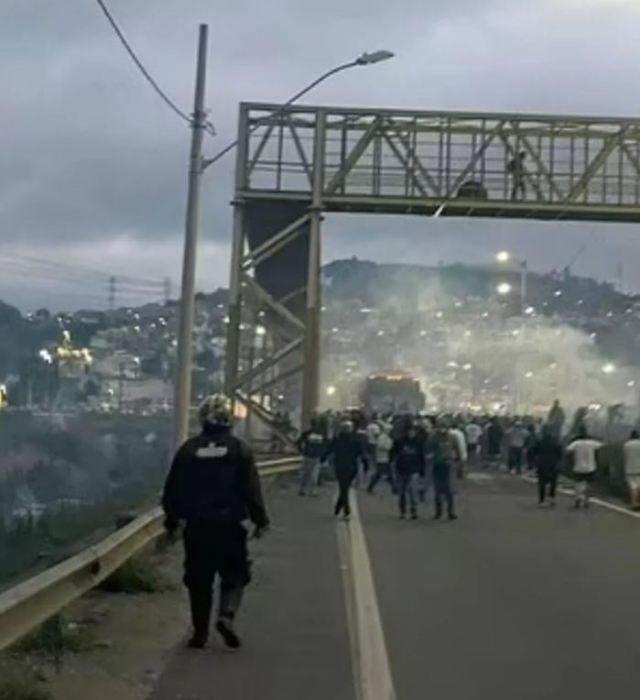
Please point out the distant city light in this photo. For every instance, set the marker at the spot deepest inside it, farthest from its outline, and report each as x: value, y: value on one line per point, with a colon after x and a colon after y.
x: 331, y: 391
x: 609, y: 314
x: 553, y: 365
x: 557, y: 293
x: 452, y: 364
x: 504, y: 288
x: 458, y: 304
x: 529, y: 311
x: 423, y: 334
x: 227, y: 319
x: 468, y: 367
x: 503, y: 256
x: 261, y: 331
x: 631, y: 384
x: 439, y: 314
x: 366, y: 311
x: 528, y: 375
x: 334, y: 330
x: 515, y: 333
x: 609, y: 368
x: 485, y: 314
x: 467, y: 334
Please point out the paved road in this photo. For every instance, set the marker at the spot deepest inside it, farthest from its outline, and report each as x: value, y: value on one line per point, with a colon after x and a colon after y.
x: 510, y: 602
x: 296, y: 639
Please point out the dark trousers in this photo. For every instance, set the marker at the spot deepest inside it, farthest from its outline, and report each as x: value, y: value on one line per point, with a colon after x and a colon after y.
x: 344, y: 486
x: 383, y: 469
x: 211, y: 550
x: 547, y: 479
x: 442, y: 488
x: 516, y: 455
x: 408, y: 491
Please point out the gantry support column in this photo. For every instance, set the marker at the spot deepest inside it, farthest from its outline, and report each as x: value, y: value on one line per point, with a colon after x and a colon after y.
x: 237, y: 251
x: 312, y: 334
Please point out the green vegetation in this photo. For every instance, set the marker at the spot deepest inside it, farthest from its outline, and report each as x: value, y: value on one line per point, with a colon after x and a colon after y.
x: 20, y: 687
x: 138, y: 575
x: 54, y: 639
x: 63, y: 485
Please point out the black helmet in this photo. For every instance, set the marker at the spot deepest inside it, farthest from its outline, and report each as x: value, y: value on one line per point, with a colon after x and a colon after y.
x: 215, y: 410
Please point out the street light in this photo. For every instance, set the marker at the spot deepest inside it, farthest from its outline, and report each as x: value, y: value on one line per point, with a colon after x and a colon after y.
x: 504, y: 288
x: 331, y: 391
x: 198, y: 165
x: 609, y: 368
x: 366, y: 59
x: 505, y: 257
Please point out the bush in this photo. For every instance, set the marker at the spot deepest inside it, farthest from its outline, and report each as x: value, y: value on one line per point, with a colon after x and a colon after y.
x: 138, y: 575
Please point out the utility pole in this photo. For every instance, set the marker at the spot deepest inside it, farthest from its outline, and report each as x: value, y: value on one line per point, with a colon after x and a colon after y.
x: 111, y: 301
x: 182, y: 401
x: 167, y: 290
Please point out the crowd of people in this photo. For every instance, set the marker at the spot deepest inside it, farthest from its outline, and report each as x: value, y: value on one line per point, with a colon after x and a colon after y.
x: 411, y: 453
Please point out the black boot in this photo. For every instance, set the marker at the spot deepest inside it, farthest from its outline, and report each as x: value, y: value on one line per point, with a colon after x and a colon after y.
x: 230, y: 601
x: 201, y: 602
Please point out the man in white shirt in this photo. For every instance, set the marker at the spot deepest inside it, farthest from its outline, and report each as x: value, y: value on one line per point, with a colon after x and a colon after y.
x: 631, y: 453
x: 383, y: 462
x: 463, y: 454
x: 474, y: 434
x: 584, y: 450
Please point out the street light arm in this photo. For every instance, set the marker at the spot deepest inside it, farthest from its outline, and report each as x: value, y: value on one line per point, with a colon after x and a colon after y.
x: 338, y: 69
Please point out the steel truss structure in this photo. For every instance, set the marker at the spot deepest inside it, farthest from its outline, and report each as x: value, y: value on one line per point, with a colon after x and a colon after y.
x: 294, y: 163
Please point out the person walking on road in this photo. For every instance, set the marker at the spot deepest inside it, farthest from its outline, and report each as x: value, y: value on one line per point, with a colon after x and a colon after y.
x: 311, y: 445
x: 463, y: 453
x: 632, y: 467
x: 584, y: 450
x: 383, y: 462
x: 494, y: 436
x: 445, y: 452
x: 556, y: 418
x: 212, y: 487
x: 546, y: 454
x: 408, y: 461
x: 516, y: 440
x: 474, y: 435
x: 348, y: 453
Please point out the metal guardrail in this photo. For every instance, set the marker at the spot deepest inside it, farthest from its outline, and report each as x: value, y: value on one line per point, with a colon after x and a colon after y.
x: 29, y: 604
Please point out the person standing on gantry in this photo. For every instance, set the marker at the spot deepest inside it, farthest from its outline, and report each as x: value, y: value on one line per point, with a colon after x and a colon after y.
x: 517, y: 170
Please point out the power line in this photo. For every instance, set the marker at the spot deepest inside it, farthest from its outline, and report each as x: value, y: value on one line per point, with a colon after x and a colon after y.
x: 129, y: 49
x: 67, y: 269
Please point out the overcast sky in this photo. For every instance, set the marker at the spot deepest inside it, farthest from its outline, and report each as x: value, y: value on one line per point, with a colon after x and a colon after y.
x: 93, y: 165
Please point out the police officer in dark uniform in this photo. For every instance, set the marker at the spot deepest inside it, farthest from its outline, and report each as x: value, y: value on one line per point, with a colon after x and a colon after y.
x: 213, y: 486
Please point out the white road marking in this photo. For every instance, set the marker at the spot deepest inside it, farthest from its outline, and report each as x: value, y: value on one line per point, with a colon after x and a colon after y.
x: 597, y: 501
x: 372, y: 670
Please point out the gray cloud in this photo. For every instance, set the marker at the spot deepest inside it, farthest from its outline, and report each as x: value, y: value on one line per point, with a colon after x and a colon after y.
x: 92, y: 156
